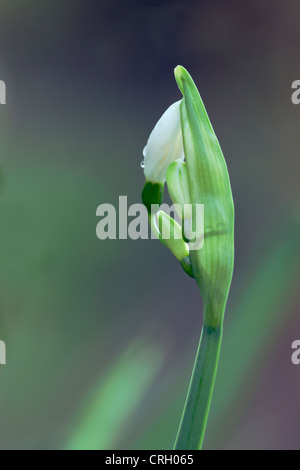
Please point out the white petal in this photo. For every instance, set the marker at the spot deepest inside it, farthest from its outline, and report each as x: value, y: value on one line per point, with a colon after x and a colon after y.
x: 164, y: 145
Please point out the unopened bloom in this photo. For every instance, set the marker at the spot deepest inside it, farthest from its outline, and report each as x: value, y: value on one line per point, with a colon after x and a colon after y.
x: 164, y: 148
x: 164, y: 145
x: 178, y: 187
x: 169, y: 232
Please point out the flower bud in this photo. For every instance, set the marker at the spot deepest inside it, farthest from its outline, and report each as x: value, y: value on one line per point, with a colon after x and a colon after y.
x: 178, y: 187
x: 164, y: 145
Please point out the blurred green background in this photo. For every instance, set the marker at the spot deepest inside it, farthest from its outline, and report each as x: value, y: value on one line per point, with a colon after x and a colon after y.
x: 101, y: 335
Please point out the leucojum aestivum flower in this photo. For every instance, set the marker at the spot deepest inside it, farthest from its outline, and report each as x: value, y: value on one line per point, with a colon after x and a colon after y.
x: 183, y: 152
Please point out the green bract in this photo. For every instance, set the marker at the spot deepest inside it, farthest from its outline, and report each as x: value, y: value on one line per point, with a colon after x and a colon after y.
x: 209, y: 185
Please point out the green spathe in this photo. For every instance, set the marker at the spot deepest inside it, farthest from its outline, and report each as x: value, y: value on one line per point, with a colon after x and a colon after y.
x: 209, y: 184
x: 212, y: 266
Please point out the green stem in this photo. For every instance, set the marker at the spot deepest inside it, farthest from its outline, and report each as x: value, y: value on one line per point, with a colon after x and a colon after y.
x: 195, y: 414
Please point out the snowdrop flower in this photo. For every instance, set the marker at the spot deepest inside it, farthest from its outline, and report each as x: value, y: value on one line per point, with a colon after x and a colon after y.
x: 164, y: 146
x: 203, y: 181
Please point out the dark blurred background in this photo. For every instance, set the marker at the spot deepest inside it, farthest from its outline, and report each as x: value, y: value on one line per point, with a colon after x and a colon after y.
x: 101, y: 335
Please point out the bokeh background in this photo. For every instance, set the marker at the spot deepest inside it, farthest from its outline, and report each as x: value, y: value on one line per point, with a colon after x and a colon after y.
x: 101, y: 335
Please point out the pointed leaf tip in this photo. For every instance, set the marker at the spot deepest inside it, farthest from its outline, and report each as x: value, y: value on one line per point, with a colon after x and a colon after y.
x: 179, y: 74
x: 183, y: 79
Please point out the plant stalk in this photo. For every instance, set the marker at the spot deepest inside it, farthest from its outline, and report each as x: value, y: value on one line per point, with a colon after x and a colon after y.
x: 196, y: 410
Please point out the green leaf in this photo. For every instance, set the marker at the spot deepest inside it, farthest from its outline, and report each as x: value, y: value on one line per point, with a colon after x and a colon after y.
x: 115, y: 398
x: 260, y: 312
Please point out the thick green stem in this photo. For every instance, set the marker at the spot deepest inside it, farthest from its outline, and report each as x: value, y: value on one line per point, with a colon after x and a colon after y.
x: 195, y: 414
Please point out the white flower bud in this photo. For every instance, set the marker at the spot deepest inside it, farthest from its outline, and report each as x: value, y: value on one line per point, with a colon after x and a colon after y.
x: 164, y: 146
